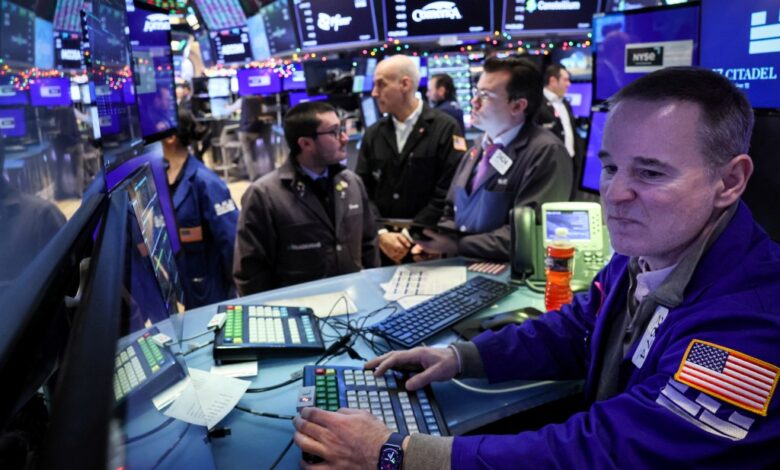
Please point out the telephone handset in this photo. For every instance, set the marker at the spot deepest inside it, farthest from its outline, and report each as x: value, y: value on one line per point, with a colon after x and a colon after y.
x: 531, y: 237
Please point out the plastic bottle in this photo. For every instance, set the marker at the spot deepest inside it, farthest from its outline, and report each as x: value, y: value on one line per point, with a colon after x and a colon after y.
x: 559, y: 265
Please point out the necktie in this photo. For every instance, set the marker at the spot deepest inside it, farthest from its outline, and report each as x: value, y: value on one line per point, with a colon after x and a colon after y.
x: 484, y: 165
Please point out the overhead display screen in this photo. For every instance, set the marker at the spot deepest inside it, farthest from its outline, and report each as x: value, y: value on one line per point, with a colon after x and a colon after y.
x: 324, y: 24
x: 271, y: 31
x: 17, y: 35
x: 67, y: 16
x: 50, y: 91
x: 67, y: 51
x: 232, y: 45
x: 431, y: 18
x: 549, y: 15
x: 12, y: 123
x: 221, y: 14
x: 258, y: 82
x: 741, y: 41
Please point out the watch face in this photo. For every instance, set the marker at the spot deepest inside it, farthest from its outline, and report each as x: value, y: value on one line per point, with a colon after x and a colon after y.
x: 390, y: 459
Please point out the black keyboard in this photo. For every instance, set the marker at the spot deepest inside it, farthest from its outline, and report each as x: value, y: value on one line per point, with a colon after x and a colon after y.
x: 409, y: 327
x: 257, y: 331
x: 386, y: 398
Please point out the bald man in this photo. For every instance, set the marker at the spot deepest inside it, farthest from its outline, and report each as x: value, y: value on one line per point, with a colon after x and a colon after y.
x: 407, y: 159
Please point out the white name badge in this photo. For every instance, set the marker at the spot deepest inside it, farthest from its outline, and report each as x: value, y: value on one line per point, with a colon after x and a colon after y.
x: 648, y: 338
x: 501, y: 162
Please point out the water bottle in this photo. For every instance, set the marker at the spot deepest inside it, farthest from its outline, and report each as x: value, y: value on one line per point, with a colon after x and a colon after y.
x: 559, y: 265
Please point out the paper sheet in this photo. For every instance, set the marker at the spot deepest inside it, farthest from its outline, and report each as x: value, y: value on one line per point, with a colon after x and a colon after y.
x: 322, y: 304
x: 240, y: 369
x: 207, y: 398
x: 422, y: 281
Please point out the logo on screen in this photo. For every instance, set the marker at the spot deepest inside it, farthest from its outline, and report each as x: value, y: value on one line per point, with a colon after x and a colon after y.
x: 233, y: 49
x: 563, y: 5
x: 7, y: 90
x: 437, y: 11
x: 327, y: 23
x: 51, y: 91
x: 7, y: 123
x: 157, y: 22
x: 764, y: 38
x: 70, y: 54
x: 644, y: 56
x: 260, y: 81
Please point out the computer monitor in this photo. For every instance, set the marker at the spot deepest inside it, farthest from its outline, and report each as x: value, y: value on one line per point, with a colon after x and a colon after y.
x: 272, y: 31
x: 44, y: 44
x: 632, y: 44
x: 67, y: 16
x: 332, y: 76
x: 369, y: 111
x: 17, y: 35
x: 206, y: 51
x: 625, y: 5
x: 153, y: 85
x: 591, y: 171
x: 50, y: 92
x: 457, y: 67
x: 219, y: 87
x: 294, y: 81
x: 577, y: 60
x: 258, y: 82
x: 221, y: 14
x: 12, y: 122
x: 741, y: 40
x: 67, y: 51
x: 363, y: 80
x: 519, y: 16
x: 218, y: 107
x: 423, y: 19
x: 345, y: 23
x: 10, y: 95
x: 297, y: 97
x: 580, y: 96
x: 232, y: 45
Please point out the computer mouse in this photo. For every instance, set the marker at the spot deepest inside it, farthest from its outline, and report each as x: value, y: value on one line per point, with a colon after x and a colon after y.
x: 498, y: 321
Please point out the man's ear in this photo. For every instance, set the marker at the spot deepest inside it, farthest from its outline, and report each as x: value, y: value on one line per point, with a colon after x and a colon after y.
x: 518, y: 106
x: 732, y: 180
x: 305, y: 142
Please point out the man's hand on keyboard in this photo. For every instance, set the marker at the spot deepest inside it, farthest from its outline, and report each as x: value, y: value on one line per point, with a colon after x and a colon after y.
x: 437, y: 364
x: 347, y: 439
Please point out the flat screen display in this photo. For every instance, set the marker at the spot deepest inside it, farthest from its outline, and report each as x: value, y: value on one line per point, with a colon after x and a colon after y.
x: 741, y: 40
x: 9, y: 95
x: 44, y: 44
x: 218, y: 107
x: 303, y: 97
x: 328, y: 76
x: 17, y: 35
x: 580, y: 96
x: 546, y: 16
x: 625, y: 5
x: 363, y: 81
x: 591, y: 172
x: 221, y: 14
x: 12, y: 122
x: 420, y: 19
x: 632, y: 44
x: 150, y: 45
x: 206, y: 51
x: 576, y: 222
x: 232, y: 46
x: 272, y: 31
x: 326, y: 23
x: 369, y: 111
x: 219, y: 87
x: 258, y: 82
x: 67, y: 51
x: 577, y: 60
x: 50, y: 92
x: 457, y: 67
x: 294, y: 81
x: 67, y: 15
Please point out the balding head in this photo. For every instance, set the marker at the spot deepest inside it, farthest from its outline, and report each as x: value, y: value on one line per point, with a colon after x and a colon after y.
x: 400, y: 66
x: 395, y: 82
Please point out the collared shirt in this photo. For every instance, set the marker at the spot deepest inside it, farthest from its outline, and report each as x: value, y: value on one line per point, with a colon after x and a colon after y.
x: 563, y: 114
x: 647, y: 281
x: 404, y: 129
x: 505, y: 138
x: 314, y: 176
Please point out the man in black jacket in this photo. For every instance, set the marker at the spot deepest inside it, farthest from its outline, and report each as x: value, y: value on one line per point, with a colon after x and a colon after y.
x: 407, y: 159
x: 555, y: 113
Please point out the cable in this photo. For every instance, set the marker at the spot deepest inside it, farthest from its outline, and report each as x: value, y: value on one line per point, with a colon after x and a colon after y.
x: 194, y: 348
x: 281, y: 456
x: 172, y: 447
x: 264, y: 415
x: 197, y: 336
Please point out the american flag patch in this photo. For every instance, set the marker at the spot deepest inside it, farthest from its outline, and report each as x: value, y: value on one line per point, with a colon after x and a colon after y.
x: 729, y: 375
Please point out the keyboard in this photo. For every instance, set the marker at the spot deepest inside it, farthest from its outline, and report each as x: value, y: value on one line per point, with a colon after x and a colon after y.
x: 256, y: 331
x: 141, y: 364
x: 408, y: 328
x: 334, y: 387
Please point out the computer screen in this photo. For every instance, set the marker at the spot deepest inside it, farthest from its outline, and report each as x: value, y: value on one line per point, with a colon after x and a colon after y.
x: 328, y: 76
x: 150, y: 46
x: 521, y: 16
x: 272, y: 31
x: 369, y: 111
x: 218, y: 106
x: 363, y: 80
x: 232, y: 46
x: 577, y: 60
x: 219, y: 87
x: 576, y: 222
x: 335, y: 22
x: 421, y: 19
x: 206, y: 51
x: 50, y: 92
x: 221, y: 14
x: 632, y: 44
x: 67, y: 51
x: 591, y: 172
x: 12, y: 122
x: 9, y: 94
x: 741, y: 40
x: 67, y: 16
x: 17, y: 35
x: 294, y: 81
x: 580, y: 96
x: 258, y: 82
x: 44, y: 44
x: 625, y: 5
x: 297, y: 97
x: 457, y: 67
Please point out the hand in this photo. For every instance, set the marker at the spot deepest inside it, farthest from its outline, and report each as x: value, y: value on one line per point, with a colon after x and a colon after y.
x: 438, y: 364
x: 394, y: 245
x: 419, y: 254
x: 438, y: 244
x: 348, y: 439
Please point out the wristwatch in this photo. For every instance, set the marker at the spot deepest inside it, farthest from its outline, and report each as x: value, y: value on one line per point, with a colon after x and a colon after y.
x: 391, y: 455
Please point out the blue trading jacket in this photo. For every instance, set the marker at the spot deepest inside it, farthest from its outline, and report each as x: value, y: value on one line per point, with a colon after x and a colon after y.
x: 657, y: 421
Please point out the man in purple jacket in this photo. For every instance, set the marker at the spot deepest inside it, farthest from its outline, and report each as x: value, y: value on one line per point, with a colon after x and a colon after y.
x: 677, y: 339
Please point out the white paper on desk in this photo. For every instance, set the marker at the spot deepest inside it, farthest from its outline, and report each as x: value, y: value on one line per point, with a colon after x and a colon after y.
x: 239, y: 369
x: 413, y: 281
x: 324, y: 305
x: 207, y: 398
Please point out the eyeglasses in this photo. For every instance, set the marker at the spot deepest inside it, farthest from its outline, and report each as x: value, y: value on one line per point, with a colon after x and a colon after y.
x: 483, y: 95
x: 336, y: 133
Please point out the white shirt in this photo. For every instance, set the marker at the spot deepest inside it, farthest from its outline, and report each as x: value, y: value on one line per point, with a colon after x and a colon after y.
x: 404, y: 129
x: 563, y: 115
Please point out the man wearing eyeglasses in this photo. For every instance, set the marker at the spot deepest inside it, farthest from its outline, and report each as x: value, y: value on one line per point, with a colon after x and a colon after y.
x: 516, y: 163
x: 310, y: 218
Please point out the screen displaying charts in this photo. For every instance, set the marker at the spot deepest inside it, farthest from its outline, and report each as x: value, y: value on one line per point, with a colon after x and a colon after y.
x: 221, y: 14
x: 232, y: 45
x: 344, y: 22
x: 17, y: 35
x: 429, y: 18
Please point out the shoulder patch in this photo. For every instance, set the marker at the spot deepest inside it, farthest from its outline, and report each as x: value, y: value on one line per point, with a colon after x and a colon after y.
x: 459, y: 143
x: 734, y: 377
x: 224, y: 207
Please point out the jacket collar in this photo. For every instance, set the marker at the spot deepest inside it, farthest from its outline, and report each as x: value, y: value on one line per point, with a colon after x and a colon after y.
x: 188, y: 174
x: 292, y: 177
x: 386, y: 129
